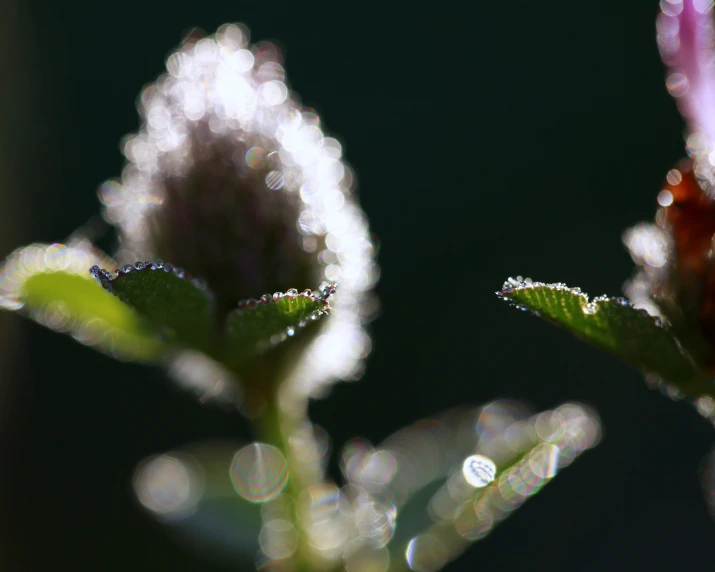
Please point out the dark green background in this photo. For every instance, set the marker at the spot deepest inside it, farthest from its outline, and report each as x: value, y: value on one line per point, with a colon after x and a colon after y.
x: 489, y: 139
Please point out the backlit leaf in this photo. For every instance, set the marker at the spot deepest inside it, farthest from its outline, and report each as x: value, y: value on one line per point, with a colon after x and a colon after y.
x: 256, y: 326
x: 181, y: 308
x: 612, y: 324
x: 52, y: 284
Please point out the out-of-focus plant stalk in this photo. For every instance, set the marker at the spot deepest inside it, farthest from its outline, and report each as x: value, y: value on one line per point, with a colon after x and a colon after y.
x: 273, y: 424
x: 274, y: 428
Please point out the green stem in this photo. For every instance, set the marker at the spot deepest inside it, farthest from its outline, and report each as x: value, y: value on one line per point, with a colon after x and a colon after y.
x: 274, y: 428
x: 263, y: 381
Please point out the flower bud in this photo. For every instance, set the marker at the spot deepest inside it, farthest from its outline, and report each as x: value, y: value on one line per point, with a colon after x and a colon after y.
x: 231, y: 179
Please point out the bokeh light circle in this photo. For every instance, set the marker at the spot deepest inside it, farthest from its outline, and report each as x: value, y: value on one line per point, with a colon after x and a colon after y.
x: 259, y: 472
x: 479, y: 470
x: 168, y: 486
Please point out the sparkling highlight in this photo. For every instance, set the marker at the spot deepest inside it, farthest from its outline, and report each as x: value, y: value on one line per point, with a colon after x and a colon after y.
x: 167, y: 486
x: 232, y: 179
x: 259, y: 472
x: 479, y: 470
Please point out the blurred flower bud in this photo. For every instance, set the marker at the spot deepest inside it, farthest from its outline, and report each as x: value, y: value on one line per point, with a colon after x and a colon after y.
x: 231, y: 179
x: 687, y: 45
x: 676, y: 275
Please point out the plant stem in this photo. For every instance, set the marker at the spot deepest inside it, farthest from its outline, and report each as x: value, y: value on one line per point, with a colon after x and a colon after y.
x: 275, y: 428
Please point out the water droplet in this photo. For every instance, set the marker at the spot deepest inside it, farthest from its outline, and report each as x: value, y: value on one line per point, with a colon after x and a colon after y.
x: 256, y: 157
x: 259, y: 472
x: 167, y: 486
x: 677, y: 84
x: 544, y: 461
x: 139, y: 265
x: 590, y: 309
x: 127, y: 268
x: 479, y: 470
x: 277, y: 296
x: 329, y: 289
x: 290, y: 331
x: 375, y: 522
x: 274, y: 180
x: 665, y: 198
x: 94, y: 271
x: 292, y: 293
x: 426, y: 553
x: 278, y: 538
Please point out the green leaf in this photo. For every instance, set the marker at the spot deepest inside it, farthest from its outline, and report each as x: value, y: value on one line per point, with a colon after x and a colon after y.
x: 181, y: 308
x: 51, y: 283
x: 257, y: 326
x: 615, y: 326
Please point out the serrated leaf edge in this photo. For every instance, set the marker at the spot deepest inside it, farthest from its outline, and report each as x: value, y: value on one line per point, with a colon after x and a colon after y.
x: 322, y: 296
x: 326, y: 291
x: 107, y: 279
x: 653, y: 380
x: 590, y: 307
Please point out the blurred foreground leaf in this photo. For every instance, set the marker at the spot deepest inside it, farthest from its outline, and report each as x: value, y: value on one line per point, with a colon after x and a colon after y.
x: 51, y: 283
x: 453, y: 477
x: 615, y: 326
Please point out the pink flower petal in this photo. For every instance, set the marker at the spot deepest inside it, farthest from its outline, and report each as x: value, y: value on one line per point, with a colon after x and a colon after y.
x: 687, y: 46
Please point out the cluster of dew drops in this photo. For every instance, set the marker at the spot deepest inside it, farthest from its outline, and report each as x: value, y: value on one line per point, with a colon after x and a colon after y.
x: 704, y: 404
x: 591, y: 307
x: 106, y: 278
x: 325, y: 292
